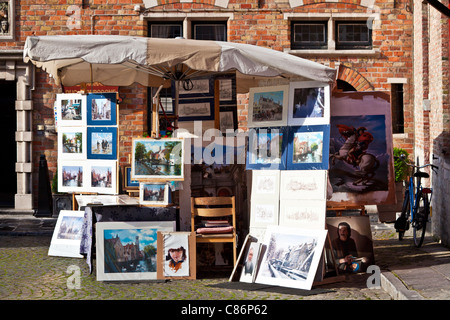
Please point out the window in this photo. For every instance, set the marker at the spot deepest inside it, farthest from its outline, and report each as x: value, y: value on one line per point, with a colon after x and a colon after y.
x: 398, y: 123
x: 202, y: 30
x: 165, y: 30
x: 353, y: 35
x: 309, y: 35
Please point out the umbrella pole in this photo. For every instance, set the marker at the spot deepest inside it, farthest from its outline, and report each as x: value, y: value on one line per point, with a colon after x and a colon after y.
x: 175, y: 107
x: 155, y: 114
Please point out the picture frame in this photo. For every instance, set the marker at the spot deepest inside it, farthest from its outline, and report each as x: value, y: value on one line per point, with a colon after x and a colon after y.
x: 72, y: 176
x: 128, y: 184
x: 102, y: 177
x: 102, y: 143
x: 309, y: 103
x: 306, y: 214
x: 66, y: 238
x: 266, y: 184
x: 303, y: 184
x: 141, y: 235
x: 170, y: 264
x: 308, y: 147
x: 196, y: 88
x: 268, y: 106
x: 154, y: 193
x: 251, y: 262
x: 304, y: 251
x: 264, y: 212
x: 102, y: 109
x: 267, y: 148
x: 227, y: 89
x: 71, y: 109
x: 228, y: 119
x: 72, y: 143
x: 196, y: 109
x: 157, y: 159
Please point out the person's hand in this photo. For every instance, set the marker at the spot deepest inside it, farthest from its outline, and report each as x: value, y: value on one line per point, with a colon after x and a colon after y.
x: 348, y: 259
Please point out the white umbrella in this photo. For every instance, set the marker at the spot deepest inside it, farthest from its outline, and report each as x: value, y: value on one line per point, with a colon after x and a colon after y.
x: 123, y: 60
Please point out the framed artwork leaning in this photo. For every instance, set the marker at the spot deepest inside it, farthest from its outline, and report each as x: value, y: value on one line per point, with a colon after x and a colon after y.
x: 67, y: 234
x: 153, y: 193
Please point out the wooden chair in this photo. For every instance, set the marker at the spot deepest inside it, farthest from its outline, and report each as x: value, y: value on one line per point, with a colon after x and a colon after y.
x: 214, y: 208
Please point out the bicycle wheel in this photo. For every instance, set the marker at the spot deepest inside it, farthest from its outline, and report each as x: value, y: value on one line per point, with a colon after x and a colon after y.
x: 402, y: 223
x: 420, y: 219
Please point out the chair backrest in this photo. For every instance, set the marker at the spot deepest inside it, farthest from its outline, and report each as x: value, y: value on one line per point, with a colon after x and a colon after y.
x: 213, y: 207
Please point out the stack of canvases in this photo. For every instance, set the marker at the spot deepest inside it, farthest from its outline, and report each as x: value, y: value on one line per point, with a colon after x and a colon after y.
x: 87, y: 142
x: 288, y: 151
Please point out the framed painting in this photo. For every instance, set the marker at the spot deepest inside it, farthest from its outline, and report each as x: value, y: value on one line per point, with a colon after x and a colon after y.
x: 308, y: 147
x: 102, y: 177
x: 268, y: 106
x: 309, y: 103
x: 291, y: 257
x: 72, y: 176
x: 70, y: 109
x: 128, y: 184
x: 228, y: 119
x: 303, y: 184
x: 128, y: 250
x: 177, y: 257
x: 267, y: 148
x: 153, y: 193
x: 264, y: 213
x: 72, y: 143
x: 101, y: 109
x: 307, y: 214
x: 266, y: 184
x: 102, y: 143
x: 195, y: 88
x: 196, y: 109
x: 67, y: 234
x: 157, y: 159
x: 361, y: 149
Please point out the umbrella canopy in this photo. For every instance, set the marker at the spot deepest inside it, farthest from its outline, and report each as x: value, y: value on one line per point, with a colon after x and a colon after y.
x: 123, y: 60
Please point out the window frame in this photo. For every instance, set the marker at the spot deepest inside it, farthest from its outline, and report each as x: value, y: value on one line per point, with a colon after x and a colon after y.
x: 195, y: 23
x: 352, y: 45
x: 318, y: 45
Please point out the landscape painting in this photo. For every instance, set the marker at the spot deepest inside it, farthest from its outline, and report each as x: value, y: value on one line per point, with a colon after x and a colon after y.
x: 71, y: 176
x: 268, y: 106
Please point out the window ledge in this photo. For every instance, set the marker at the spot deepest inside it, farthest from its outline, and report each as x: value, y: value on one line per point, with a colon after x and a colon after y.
x: 365, y: 53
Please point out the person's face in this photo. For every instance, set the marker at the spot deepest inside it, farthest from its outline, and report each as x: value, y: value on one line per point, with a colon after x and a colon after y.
x: 343, y: 233
x: 250, y: 255
x: 176, y: 255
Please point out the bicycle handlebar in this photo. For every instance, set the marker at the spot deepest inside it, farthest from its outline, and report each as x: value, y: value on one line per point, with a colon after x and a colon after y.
x: 403, y: 158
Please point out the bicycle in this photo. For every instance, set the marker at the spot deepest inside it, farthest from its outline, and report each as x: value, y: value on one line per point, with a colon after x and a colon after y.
x: 416, y: 204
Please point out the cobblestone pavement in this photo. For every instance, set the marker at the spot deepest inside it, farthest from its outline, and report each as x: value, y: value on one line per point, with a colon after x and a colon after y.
x: 28, y: 273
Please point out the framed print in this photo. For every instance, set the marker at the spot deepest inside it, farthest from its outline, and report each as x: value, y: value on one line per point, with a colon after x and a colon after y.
x: 250, y: 265
x: 71, y: 109
x: 307, y: 214
x: 227, y: 89
x: 196, y: 88
x: 177, y: 257
x: 72, y: 143
x: 102, y: 176
x: 66, y: 237
x: 303, y: 184
x: 228, y: 119
x: 157, y: 159
x: 102, y: 143
x: 151, y: 193
x: 128, y: 184
x: 72, y: 176
x: 308, y: 147
x: 264, y: 213
x: 127, y: 250
x: 267, y: 148
x: 267, y: 106
x: 266, y: 184
x: 102, y: 109
x: 309, y: 103
x: 196, y: 109
x: 291, y: 257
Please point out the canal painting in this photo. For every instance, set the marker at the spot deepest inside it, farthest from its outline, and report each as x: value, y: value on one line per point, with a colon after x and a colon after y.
x: 157, y: 158
x: 291, y: 257
x: 127, y: 251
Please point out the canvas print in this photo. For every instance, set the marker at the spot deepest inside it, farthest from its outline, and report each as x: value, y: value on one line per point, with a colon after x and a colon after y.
x: 196, y: 109
x: 291, y: 257
x: 71, y: 109
x: 72, y: 143
x: 157, y: 159
x: 268, y: 106
x: 309, y: 103
x: 308, y: 147
x: 303, y: 184
x: 307, y: 214
x: 265, y: 184
x: 66, y: 237
x: 102, y: 143
x: 361, y: 161
x: 72, y: 176
x: 103, y: 176
x: 127, y: 250
x: 102, y: 109
x: 267, y: 148
x: 351, y: 240
x: 153, y: 193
